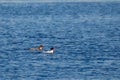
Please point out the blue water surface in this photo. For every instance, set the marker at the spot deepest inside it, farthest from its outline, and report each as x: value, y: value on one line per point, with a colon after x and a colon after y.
x: 86, y: 38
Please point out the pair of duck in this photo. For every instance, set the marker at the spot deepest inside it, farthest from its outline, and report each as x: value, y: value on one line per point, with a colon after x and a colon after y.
x: 41, y: 49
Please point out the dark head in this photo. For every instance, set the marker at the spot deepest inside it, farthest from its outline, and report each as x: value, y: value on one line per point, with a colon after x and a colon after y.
x: 51, y: 48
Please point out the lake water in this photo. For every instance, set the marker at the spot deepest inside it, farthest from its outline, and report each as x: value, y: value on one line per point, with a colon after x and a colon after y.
x: 86, y: 38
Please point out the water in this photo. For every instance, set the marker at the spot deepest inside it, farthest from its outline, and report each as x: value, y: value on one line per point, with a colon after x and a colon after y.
x: 86, y: 38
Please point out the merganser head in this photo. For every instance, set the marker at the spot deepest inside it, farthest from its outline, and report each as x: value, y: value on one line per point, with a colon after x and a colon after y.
x: 40, y: 47
x: 51, y: 48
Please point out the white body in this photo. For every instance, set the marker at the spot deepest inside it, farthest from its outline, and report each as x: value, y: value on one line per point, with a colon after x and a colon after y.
x: 49, y: 51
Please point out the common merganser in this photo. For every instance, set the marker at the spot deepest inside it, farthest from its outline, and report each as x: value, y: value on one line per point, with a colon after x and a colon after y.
x: 38, y: 48
x: 50, y: 51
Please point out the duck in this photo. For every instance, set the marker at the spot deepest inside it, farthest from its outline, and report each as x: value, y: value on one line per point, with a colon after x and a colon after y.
x: 40, y: 47
x: 51, y: 51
